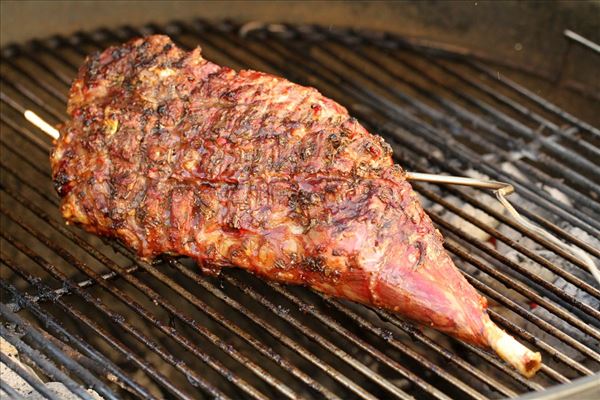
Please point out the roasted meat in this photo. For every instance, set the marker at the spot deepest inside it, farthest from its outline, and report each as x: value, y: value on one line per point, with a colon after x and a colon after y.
x: 173, y: 154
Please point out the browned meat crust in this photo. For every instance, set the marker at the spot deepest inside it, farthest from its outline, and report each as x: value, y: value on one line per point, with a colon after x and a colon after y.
x: 171, y: 153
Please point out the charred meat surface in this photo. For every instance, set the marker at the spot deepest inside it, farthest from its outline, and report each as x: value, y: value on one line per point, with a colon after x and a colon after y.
x: 173, y: 154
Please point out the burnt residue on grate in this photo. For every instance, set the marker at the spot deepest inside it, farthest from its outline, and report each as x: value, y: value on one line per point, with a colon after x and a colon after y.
x: 130, y: 329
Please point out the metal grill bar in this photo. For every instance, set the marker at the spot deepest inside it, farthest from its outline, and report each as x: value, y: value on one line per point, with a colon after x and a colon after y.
x: 33, y: 382
x: 5, y: 388
x: 532, y: 235
x: 227, y: 323
x: 84, y: 347
x: 513, y: 306
x: 140, y: 310
x: 557, y: 355
x: 261, y: 322
x: 501, y: 137
x: 369, y: 326
x: 541, y: 260
x: 494, y: 361
x: 60, y: 96
x: 31, y: 96
x: 37, y: 359
x: 57, y: 74
x: 582, y: 145
x: 314, y: 336
x: 395, y: 343
x: 201, y: 306
x: 36, y: 140
x: 502, y: 218
x: 330, y: 66
x: 118, y: 319
x: 503, y: 118
x: 520, y: 287
x: 537, y: 99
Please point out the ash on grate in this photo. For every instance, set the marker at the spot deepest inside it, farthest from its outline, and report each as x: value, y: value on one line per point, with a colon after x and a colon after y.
x: 12, y: 379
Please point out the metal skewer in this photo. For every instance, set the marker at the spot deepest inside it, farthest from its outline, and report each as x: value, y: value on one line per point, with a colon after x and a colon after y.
x: 576, y: 37
x: 41, y: 124
x: 500, y: 189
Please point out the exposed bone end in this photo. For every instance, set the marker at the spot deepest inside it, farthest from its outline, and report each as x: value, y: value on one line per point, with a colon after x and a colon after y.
x: 520, y: 357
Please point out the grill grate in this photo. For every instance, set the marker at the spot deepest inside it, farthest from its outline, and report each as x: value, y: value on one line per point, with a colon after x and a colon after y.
x: 125, y: 327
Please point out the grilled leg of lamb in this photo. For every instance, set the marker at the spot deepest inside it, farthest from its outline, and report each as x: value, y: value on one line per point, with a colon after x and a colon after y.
x: 171, y: 153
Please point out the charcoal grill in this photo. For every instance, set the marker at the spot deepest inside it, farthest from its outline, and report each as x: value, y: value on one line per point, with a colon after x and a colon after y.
x: 85, y: 312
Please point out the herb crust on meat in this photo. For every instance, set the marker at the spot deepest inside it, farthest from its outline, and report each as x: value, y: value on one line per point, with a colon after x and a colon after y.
x: 173, y: 154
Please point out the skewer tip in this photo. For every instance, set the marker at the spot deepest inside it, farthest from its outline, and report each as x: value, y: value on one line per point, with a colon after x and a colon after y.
x: 41, y: 124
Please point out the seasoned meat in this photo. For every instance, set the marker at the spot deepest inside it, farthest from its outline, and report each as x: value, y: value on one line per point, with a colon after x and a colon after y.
x: 173, y: 154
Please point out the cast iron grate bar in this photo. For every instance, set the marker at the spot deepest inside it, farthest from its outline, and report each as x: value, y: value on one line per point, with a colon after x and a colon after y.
x: 539, y: 100
x: 34, y: 382
x: 37, y: 359
x: 28, y: 303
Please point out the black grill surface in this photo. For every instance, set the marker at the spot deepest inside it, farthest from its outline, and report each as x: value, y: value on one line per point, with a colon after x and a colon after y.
x: 87, y: 313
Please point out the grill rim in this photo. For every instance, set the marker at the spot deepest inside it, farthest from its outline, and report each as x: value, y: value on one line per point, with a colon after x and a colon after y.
x: 42, y: 105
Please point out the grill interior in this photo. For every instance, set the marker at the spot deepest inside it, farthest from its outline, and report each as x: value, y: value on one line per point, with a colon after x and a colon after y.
x: 83, y: 311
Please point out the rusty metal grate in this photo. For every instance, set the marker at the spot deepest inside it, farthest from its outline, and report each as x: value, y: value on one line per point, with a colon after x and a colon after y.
x: 128, y: 328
